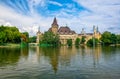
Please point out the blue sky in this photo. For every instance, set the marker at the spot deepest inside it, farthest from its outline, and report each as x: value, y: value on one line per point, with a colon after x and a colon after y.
x: 28, y: 15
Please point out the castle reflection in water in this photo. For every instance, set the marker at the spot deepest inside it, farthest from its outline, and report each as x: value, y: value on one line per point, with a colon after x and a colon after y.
x: 64, y: 55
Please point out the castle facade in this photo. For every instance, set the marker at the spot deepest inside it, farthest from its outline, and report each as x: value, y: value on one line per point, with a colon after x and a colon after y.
x: 66, y: 33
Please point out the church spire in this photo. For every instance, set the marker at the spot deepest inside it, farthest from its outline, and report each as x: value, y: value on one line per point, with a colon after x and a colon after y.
x: 54, y: 22
x: 97, y: 29
x: 39, y: 28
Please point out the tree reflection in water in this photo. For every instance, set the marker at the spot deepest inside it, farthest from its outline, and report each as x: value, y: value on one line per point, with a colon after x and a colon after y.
x: 9, y: 56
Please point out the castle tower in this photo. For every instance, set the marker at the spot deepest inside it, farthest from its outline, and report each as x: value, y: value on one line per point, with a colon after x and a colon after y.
x: 54, y: 26
x: 94, y: 30
x: 97, y: 29
x: 39, y: 34
x: 83, y: 31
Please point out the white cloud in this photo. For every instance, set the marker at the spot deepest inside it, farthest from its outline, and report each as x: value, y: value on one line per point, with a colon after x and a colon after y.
x: 23, y: 22
x: 103, y: 13
x: 55, y: 3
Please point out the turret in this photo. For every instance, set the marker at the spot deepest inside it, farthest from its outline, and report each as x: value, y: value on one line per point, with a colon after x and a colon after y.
x: 39, y: 34
x: 83, y: 31
x: 55, y: 26
x: 94, y: 30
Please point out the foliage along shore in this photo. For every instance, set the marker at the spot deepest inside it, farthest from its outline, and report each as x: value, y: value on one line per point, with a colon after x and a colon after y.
x: 9, y: 45
x: 10, y: 36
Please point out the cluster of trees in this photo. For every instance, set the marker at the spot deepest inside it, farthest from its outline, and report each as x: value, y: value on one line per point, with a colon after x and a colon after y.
x: 78, y: 41
x: 9, y: 35
x: 50, y: 39
x: 110, y: 38
x: 32, y: 39
x: 93, y: 41
x: 12, y: 35
x: 107, y: 38
x: 25, y: 37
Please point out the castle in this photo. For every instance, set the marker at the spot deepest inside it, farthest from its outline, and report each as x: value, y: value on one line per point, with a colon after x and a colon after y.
x: 66, y: 33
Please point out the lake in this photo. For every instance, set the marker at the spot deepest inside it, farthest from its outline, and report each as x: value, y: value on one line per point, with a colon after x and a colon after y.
x: 60, y: 63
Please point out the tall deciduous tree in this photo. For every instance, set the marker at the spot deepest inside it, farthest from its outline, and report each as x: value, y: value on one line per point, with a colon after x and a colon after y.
x: 109, y: 38
x: 106, y: 38
x: 69, y: 42
x: 9, y: 34
x: 77, y: 42
x: 83, y: 40
x: 92, y: 41
x: 32, y: 39
x: 50, y: 39
x: 118, y: 39
x: 113, y: 39
x: 25, y: 37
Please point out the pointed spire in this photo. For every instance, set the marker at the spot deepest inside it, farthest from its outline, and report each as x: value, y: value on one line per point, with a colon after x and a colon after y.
x: 39, y: 28
x: 83, y: 31
x: 93, y: 27
x: 54, y: 22
x: 97, y: 29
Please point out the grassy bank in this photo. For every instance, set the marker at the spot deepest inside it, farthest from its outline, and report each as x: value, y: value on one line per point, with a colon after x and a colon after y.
x: 9, y: 45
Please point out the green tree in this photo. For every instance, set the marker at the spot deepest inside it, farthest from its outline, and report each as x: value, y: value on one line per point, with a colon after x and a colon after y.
x: 2, y: 37
x: 113, y: 39
x: 92, y: 41
x: 77, y: 42
x: 118, y: 39
x: 32, y: 39
x: 25, y: 37
x: 69, y: 42
x: 49, y: 38
x: 9, y: 34
x: 83, y: 40
x: 106, y: 38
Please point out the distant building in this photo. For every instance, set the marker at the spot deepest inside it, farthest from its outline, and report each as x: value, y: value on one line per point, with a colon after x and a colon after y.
x: 66, y: 33
x: 39, y: 35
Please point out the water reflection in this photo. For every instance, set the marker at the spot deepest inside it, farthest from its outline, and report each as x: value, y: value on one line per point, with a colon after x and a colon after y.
x: 63, y: 56
x: 25, y: 52
x: 9, y: 56
x: 61, y: 63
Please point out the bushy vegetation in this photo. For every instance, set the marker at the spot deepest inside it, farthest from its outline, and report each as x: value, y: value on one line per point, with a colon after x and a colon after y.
x: 24, y: 39
x: 77, y: 42
x: 110, y: 38
x: 118, y: 39
x: 9, y: 35
x: 32, y: 39
x: 50, y: 39
x: 92, y: 42
x: 83, y: 40
x: 69, y: 42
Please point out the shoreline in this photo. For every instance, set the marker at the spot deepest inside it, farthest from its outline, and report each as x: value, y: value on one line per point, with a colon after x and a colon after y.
x: 35, y: 44
x: 10, y: 45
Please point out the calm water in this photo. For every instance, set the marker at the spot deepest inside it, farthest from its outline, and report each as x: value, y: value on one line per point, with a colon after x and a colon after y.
x: 60, y: 63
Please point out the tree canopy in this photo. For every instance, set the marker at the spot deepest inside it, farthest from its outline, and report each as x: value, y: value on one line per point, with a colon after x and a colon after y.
x: 77, y: 41
x: 69, y: 42
x: 9, y: 34
x: 49, y: 38
x: 83, y: 40
x: 109, y: 38
x: 93, y: 41
x: 32, y: 39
